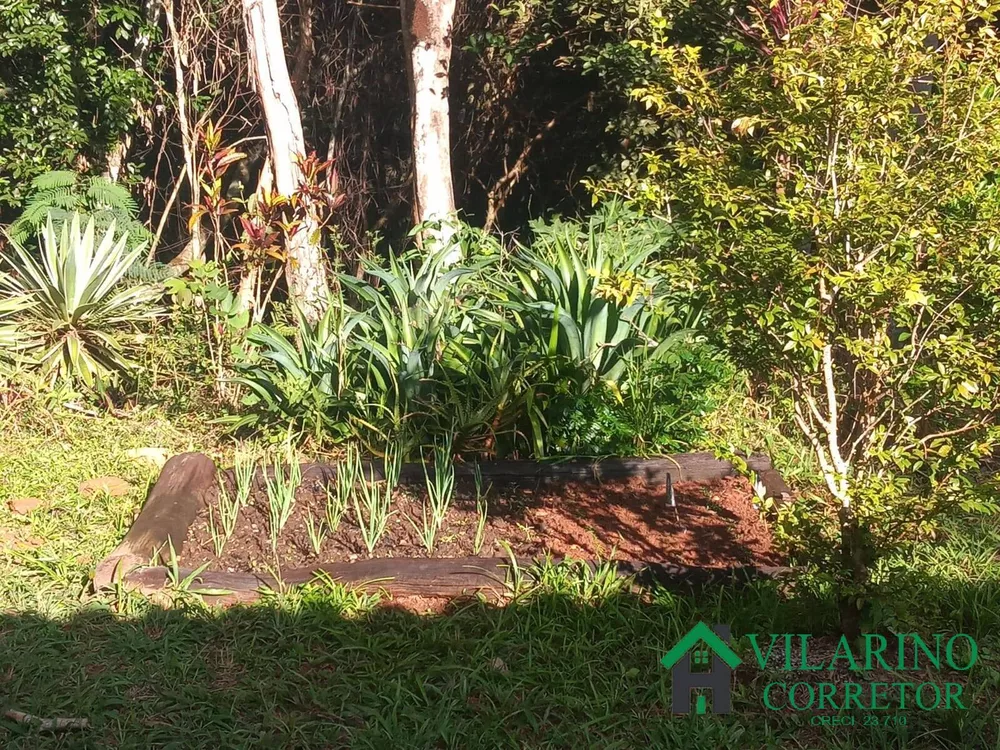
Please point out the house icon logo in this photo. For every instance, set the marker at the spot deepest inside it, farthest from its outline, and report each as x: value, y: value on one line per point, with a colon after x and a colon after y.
x: 693, y: 651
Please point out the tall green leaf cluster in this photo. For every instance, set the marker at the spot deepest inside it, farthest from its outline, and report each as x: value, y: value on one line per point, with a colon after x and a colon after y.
x: 482, y: 350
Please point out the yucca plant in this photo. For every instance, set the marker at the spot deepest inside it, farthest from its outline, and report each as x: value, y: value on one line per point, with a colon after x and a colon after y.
x: 76, y: 302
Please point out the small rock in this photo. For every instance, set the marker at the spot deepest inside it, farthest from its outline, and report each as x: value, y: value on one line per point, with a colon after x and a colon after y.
x: 113, y: 486
x: 499, y: 665
x: 154, y: 456
x: 24, y: 505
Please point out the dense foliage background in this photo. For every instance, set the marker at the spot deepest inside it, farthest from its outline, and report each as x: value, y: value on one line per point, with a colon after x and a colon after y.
x: 673, y: 217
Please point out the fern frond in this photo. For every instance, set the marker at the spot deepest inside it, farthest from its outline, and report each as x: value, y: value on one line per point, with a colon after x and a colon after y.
x: 34, y: 215
x: 107, y: 194
x: 151, y: 273
x: 60, y: 178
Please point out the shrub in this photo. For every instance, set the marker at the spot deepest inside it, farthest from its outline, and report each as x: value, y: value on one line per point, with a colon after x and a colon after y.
x: 302, y: 386
x: 659, y: 409
x: 417, y: 352
x: 75, y: 305
x: 71, y: 88
x: 488, y: 352
x: 838, y: 174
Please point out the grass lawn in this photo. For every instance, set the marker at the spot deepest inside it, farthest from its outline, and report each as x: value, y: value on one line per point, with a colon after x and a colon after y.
x: 574, y: 662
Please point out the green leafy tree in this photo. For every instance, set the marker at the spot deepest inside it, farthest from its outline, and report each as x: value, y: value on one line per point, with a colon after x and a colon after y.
x: 837, y: 175
x: 68, y: 88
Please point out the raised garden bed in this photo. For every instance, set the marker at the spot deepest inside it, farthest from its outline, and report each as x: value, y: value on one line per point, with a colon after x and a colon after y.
x: 682, y: 519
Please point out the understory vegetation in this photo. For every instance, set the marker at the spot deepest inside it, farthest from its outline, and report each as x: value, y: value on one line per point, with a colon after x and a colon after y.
x: 653, y: 228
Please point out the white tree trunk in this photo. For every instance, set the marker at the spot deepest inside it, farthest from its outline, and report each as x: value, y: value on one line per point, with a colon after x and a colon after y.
x: 304, y: 268
x: 427, y: 26
x: 195, y: 248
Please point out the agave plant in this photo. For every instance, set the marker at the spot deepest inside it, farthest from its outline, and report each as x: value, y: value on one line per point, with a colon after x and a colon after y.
x: 305, y: 384
x: 437, y: 331
x: 11, y: 336
x: 416, y: 310
x: 593, y: 298
x: 74, y: 302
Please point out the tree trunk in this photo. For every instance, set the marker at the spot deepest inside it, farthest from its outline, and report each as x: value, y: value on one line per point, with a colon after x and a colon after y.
x: 304, y: 268
x: 854, y: 570
x: 195, y: 248
x: 427, y: 26
x: 118, y: 155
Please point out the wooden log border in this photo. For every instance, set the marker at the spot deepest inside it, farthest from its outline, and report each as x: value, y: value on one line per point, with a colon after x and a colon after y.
x: 187, y: 480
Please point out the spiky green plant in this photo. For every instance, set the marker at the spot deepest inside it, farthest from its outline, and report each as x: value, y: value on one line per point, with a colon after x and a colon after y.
x: 337, y: 501
x: 595, y: 298
x: 281, y: 486
x: 11, y: 335
x: 373, y: 509
x: 76, y: 302
x: 244, y: 466
x: 316, y: 529
x: 304, y: 382
x: 482, y: 510
x: 440, y: 490
x: 229, y: 512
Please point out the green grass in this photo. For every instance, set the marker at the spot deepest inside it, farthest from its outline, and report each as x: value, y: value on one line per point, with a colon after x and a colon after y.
x: 574, y: 662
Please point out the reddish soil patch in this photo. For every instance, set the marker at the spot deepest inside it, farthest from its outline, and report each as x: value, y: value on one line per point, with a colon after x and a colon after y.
x: 714, y: 525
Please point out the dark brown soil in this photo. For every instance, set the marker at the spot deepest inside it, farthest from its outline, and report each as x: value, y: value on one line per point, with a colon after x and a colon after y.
x: 715, y: 525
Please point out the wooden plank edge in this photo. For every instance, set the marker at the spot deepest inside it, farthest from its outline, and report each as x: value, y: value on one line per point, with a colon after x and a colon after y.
x: 683, y: 467
x: 446, y: 577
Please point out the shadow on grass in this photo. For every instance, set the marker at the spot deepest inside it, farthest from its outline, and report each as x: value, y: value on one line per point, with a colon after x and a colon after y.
x: 567, y: 667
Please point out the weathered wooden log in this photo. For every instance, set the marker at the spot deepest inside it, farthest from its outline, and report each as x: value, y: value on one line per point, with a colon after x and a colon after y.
x: 444, y: 577
x: 171, y: 507
x: 682, y: 467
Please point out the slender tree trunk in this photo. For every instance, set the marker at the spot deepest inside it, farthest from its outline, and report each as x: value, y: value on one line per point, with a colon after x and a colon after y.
x: 854, y: 569
x: 118, y: 155
x: 427, y: 26
x: 195, y: 249
x: 304, y: 269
